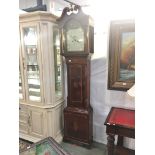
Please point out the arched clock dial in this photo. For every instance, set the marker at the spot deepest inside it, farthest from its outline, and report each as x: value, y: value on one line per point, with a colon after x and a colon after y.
x: 74, y: 37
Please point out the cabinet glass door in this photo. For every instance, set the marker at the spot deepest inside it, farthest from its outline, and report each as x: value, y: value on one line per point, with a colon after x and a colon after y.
x: 20, y: 85
x: 32, y: 66
x: 58, y: 64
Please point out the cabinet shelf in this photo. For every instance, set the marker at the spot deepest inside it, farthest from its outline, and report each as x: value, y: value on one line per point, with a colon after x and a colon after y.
x: 34, y: 86
x: 32, y: 65
x: 34, y: 93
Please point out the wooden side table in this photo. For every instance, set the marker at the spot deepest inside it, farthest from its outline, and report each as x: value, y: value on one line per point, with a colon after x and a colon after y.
x: 120, y: 122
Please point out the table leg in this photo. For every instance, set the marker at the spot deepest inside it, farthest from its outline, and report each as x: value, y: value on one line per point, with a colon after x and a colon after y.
x: 110, y: 144
x: 120, y: 141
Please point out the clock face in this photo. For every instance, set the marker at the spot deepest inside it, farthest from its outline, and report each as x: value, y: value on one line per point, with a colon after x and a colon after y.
x: 74, y: 37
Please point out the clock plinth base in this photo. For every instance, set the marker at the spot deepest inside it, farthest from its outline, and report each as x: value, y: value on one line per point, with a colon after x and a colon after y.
x: 78, y: 126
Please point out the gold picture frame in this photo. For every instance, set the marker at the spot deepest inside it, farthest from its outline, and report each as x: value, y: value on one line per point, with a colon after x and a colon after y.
x: 121, y: 65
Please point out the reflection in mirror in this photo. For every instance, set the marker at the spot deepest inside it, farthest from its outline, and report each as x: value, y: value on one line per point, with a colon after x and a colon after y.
x: 58, y: 65
x: 33, y: 77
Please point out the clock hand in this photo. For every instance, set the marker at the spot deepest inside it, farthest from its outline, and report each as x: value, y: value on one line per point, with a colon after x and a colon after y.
x: 74, y: 38
x: 77, y: 41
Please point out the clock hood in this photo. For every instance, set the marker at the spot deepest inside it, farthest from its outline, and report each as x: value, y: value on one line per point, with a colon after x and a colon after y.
x: 75, y: 13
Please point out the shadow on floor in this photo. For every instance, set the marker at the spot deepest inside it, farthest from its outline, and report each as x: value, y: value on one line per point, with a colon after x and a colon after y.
x: 96, y: 149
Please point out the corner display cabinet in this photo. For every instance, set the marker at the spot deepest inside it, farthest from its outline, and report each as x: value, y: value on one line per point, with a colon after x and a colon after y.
x: 77, y: 42
x: 40, y: 77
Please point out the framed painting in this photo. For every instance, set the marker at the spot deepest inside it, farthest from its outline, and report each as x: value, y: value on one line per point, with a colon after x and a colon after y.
x: 121, y: 66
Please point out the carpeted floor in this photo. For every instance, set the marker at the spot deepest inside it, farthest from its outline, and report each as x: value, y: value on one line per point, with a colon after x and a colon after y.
x: 73, y: 149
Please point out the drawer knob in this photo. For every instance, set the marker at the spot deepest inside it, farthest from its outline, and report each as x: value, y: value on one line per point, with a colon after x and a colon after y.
x: 69, y: 60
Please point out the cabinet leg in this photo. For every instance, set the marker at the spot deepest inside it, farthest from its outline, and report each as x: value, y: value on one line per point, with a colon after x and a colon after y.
x: 110, y: 144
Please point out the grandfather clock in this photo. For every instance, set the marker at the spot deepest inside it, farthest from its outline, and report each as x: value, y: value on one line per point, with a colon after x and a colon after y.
x: 77, y: 45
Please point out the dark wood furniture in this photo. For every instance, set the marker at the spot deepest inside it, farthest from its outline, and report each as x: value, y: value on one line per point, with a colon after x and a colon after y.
x: 76, y: 45
x: 47, y: 146
x: 120, y: 122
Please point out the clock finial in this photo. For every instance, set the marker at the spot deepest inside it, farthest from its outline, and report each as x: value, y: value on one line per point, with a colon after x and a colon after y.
x: 73, y: 9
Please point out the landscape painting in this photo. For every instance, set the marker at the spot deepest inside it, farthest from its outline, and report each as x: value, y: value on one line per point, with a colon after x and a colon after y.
x: 127, y: 56
x: 121, y: 66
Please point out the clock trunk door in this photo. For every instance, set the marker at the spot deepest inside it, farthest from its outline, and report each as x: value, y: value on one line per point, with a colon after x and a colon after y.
x: 77, y: 84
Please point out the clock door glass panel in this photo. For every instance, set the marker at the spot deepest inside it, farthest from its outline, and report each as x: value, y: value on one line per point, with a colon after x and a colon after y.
x: 57, y: 63
x: 32, y: 67
x: 74, y: 35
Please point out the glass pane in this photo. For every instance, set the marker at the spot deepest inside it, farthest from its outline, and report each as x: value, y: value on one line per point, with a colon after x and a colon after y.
x: 58, y: 65
x: 74, y: 36
x: 20, y: 85
x: 33, y: 78
x: 41, y: 149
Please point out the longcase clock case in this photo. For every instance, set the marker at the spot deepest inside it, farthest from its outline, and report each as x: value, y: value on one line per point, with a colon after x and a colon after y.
x: 76, y: 46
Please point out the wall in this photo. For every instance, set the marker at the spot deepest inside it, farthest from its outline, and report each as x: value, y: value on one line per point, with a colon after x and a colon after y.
x: 101, y: 98
x: 23, y: 4
x: 53, y: 6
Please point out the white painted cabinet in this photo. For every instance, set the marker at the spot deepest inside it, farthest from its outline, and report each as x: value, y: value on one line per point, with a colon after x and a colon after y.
x: 40, y: 77
x: 36, y: 123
